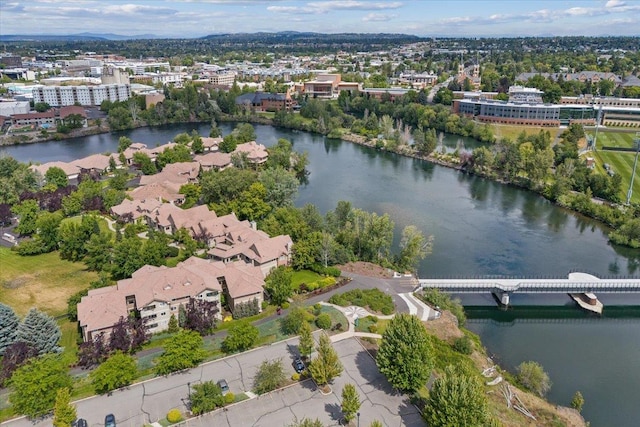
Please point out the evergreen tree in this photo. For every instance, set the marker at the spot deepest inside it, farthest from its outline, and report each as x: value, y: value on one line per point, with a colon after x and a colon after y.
x: 350, y: 402
x: 63, y: 413
x: 8, y: 327
x: 41, y: 331
x: 173, y: 324
x: 305, y: 347
x: 405, y: 354
x: 326, y: 366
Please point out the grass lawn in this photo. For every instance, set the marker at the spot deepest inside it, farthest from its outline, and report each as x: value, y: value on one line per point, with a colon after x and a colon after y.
x: 365, y: 322
x: 42, y: 281
x: 511, y: 132
x: 614, y: 139
x: 622, y: 164
x: 102, y: 223
x: 336, y: 317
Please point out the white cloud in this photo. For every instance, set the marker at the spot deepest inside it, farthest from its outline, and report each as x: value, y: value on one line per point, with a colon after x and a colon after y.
x: 354, y: 5
x: 377, y: 17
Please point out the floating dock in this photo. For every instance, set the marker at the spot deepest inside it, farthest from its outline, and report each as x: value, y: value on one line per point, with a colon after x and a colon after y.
x: 588, y: 302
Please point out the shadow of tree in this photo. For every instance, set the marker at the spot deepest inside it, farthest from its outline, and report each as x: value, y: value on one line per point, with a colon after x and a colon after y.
x: 334, y: 410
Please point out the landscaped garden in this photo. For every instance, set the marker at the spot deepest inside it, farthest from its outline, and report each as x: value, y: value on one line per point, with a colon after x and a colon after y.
x: 373, y: 300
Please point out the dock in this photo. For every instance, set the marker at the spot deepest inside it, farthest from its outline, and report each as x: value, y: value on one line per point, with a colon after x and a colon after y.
x: 588, y: 301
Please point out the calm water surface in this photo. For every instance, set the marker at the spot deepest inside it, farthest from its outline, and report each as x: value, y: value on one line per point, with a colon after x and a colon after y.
x: 480, y: 228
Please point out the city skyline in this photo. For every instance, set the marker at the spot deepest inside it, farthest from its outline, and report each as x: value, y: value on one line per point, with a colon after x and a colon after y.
x: 197, y: 18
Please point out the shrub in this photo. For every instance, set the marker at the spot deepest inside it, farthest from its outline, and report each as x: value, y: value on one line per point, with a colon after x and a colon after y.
x: 172, y: 252
x: 285, y: 305
x: 295, y: 376
x: 323, y: 321
x: 174, y: 416
x: 229, y: 398
x: 372, y: 319
x: 264, y: 305
x: 375, y: 299
x: 463, y: 345
x: 373, y: 329
x: 317, y: 309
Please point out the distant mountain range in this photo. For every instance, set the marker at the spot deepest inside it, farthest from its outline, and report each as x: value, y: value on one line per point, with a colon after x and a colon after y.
x: 73, y: 37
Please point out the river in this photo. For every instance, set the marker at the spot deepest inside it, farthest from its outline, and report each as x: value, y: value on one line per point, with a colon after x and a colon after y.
x: 480, y: 228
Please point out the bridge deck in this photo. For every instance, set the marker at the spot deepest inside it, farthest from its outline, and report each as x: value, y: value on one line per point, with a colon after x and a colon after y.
x: 575, y: 283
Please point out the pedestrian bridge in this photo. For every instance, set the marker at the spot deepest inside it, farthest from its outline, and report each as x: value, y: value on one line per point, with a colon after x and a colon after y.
x: 579, y: 283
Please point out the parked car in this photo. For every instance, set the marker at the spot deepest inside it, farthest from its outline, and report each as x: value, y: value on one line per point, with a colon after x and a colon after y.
x: 80, y: 422
x: 110, y: 421
x: 223, y: 386
x: 298, y: 365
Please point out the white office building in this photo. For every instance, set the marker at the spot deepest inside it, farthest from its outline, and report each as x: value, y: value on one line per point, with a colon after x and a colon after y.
x: 60, y: 96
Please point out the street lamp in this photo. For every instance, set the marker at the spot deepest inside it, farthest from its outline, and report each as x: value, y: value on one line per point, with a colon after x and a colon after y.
x: 189, y: 387
x: 358, y: 414
x: 635, y: 163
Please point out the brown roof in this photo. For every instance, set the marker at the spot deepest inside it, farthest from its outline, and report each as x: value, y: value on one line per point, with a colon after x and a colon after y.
x: 95, y: 161
x: 211, y: 143
x: 179, y: 173
x: 213, y: 160
x: 68, y: 168
x: 72, y: 109
x: 46, y: 115
x: 167, y: 191
x: 137, y: 208
x: 256, y: 153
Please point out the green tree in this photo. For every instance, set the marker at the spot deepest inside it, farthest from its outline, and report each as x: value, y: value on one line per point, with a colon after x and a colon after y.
x: 306, y: 422
x: 28, y: 212
x: 124, y: 143
x: 98, y: 250
x: 48, y: 224
x: 532, y: 376
x: 281, y: 186
x: 63, y: 413
x: 414, y: 247
x: 41, y: 107
x: 350, y: 402
x: 36, y: 383
x: 405, y: 355
x: 117, y: 371
x: 182, y: 351
x: 206, y: 397
x: 242, y: 336
x: 244, y: 132
x: 305, y: 346
x: 41, y: 331
x: 292, y: 322
x: 57, y: 177
x: 323, y: 321
x: 8, y: 327
x: 577, y: 402
x: 456, y: 399
x: 326, y: 366
x: 228, y: 144
x: 278, y: 285
x: 269, y: 376
x: 147, y: 166
x: 197, y: 146
x: 173, y: 324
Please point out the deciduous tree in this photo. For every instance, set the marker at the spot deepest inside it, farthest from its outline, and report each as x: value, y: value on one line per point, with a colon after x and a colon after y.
x: 326, y: 366
x: 206, y: 397
x: 242, y: 336
x: 35, y: 385
x: 57, y: 177
x: 533, y: 377
x: 269, y: 376
x: 117, y: 371
x: 405, y: 354
x: 350, y: 402
x: 456, y: 399
x: 305, y: 346
x: 182, y: 351
x: 63, y: 413
x: 278, y: 285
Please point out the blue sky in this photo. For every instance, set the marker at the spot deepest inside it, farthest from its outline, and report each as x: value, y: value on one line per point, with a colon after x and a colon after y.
x: 194, y: 18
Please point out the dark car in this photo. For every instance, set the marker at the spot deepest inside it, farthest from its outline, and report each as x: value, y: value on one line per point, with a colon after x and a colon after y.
x: 223, y: 386
x: 298, y: 365
x: 80, y: 422
x: 110, y: 421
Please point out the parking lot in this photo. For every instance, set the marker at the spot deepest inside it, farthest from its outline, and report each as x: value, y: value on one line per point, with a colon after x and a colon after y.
x: 379, y: 400
x: 135, y: 406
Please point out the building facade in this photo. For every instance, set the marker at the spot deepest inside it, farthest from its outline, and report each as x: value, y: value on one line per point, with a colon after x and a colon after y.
x: 60, y: 96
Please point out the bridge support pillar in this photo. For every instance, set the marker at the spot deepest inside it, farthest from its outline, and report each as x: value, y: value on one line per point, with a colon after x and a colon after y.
x: 504, y: 298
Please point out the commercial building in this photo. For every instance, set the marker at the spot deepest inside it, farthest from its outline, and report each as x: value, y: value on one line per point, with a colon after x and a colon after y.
x: 59, y: 96
x: 262, y: 101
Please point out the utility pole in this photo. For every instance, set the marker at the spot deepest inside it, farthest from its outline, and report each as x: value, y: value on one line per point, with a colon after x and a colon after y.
x: 636, y: 141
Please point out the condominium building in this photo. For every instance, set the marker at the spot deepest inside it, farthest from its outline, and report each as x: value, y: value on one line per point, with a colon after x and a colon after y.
x: 59, y: 96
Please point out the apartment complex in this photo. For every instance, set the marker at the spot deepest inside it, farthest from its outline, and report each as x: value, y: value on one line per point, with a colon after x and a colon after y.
x: 59, y: 96
x: 156, y: 293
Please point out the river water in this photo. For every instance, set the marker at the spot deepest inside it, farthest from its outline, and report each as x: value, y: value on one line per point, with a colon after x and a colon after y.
x: 480, y: 228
